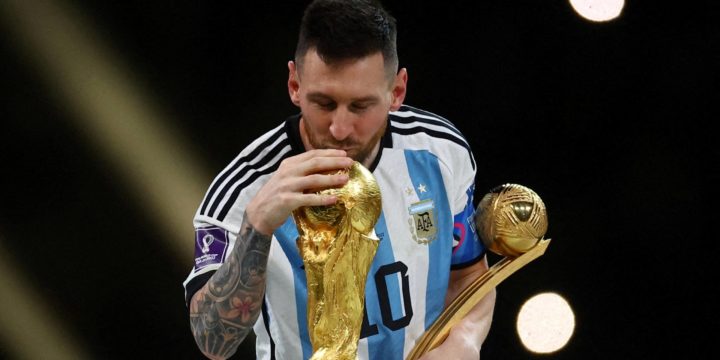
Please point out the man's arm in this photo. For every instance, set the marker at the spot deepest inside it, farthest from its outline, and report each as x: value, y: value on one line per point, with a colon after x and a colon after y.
x: 223, y: 311
x: 467, y: 336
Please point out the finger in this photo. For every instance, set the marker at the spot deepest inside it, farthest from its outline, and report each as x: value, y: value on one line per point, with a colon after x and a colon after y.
x: 324, y: 164
x: 318, y: 182
x: 321, y: 153
x: 312, y: 162
x: 313, y: 183
x: 313, y: 199
x: 295, y: 201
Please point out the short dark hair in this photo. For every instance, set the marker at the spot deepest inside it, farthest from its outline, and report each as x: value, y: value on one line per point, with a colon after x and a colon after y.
x: 348, y: 29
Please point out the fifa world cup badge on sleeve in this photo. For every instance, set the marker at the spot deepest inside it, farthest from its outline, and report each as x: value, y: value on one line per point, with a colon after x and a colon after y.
x: 211, y: 245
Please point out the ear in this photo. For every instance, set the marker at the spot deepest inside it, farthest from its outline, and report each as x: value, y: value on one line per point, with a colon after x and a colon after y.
x: 293, y: 83
x: 399, y: 89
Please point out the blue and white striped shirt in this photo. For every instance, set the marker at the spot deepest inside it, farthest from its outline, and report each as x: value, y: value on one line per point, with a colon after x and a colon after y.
x: 425, y: 170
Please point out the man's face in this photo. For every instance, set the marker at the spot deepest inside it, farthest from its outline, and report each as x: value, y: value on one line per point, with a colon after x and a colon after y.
x: 345, y: 106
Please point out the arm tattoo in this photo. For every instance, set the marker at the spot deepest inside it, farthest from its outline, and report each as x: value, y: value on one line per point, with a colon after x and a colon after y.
x: 224, y: 311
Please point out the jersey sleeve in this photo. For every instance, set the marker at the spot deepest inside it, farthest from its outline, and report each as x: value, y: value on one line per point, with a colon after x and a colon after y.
x: 220, y: 214
x: 467, y: 247
x: 213, y: 244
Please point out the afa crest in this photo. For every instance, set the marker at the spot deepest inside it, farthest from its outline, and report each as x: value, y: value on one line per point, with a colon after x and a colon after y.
x: 423, y: 222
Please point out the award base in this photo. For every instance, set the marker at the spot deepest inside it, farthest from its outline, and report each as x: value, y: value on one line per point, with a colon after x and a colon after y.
x: 469, y: 297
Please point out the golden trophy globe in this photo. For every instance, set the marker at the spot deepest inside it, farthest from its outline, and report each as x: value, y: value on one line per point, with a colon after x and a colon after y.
x: 511, y: 220
x: 337, y: 244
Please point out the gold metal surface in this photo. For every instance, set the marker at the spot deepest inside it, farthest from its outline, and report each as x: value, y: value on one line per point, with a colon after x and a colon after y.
x: 337, y: 244
x: 511, y: 220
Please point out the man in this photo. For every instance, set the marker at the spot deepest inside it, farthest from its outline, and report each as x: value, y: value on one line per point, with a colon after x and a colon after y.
x: 248, y: 272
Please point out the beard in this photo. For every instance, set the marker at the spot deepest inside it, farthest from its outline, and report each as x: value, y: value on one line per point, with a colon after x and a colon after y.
x: 356, y: 150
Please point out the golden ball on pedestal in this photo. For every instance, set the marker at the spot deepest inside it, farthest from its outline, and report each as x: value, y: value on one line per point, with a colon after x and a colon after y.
x: 511, y: 219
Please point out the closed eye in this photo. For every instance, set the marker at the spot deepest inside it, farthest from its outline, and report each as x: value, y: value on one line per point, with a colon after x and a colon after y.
x: 327, y: 105
x: 361, y: 106
x: 322, y: 101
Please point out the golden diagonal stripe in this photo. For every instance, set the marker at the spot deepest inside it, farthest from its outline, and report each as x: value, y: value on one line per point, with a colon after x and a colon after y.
x: 28, y: 327
x: 118, y: 118
x: 113, y: 113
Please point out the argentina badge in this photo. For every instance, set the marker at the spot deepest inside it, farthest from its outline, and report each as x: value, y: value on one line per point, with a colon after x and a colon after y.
x: 423, y: 221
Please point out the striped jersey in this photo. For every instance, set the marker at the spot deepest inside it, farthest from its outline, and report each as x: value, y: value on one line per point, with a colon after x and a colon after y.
x: 425, y: 170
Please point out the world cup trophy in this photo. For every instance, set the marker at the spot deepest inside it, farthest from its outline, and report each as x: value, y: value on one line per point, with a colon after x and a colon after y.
x: 511, y: 220
x: 337, y: 244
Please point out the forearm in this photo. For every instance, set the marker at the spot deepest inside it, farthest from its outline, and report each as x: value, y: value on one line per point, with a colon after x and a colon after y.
x: 223, y: 311
x: 473, y: 329
x: 475, y: 326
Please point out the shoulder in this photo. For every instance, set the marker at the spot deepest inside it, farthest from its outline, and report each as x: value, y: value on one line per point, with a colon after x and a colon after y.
x: 264, y: 146
x: 223, y: 203
x: 414, y: 128
x: 264, y: 151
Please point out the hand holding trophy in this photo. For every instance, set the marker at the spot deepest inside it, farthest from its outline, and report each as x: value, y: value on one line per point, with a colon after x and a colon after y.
x: 511, y: 221
x: 337, y: 244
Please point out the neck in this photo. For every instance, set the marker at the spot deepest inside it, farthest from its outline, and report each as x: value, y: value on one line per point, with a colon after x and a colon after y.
x: 304, y: 136
x: 371, y: 156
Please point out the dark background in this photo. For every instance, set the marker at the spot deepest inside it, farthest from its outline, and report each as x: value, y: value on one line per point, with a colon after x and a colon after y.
x: 609, y: 123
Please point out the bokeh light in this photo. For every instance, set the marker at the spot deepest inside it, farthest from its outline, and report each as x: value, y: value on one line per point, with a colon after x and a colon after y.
x: 598, y: 10
x: 545, y: 323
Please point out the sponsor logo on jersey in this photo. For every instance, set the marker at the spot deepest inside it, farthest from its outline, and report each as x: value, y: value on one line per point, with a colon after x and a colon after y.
x: 423, y: 222
x: 211, y: 246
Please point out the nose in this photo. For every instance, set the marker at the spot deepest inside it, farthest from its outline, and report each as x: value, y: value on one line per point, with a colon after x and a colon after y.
x: 342, y: 124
